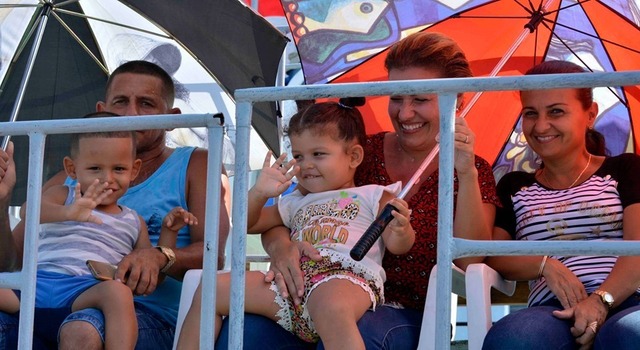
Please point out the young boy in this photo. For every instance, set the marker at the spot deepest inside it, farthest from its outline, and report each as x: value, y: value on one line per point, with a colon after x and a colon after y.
x: 84, y: 223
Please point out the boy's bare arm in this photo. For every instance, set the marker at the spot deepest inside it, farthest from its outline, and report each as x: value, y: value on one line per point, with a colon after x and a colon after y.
x: 173, y: 222
x: 53, y: 208
x: 190, y: 256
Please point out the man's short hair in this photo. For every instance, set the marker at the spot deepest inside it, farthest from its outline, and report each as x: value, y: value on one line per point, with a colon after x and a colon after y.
x: 150, y: 69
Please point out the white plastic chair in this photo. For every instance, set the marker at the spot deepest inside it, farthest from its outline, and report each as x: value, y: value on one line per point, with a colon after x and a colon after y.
x: 189, y: 286
x: 427, y: 334
x: 427, y: 339
x: 479, y: 279
x: 190, y: 283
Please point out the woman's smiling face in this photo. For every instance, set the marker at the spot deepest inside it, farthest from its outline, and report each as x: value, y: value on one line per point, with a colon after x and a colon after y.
x: 415, y: 118
x: 554, y: 121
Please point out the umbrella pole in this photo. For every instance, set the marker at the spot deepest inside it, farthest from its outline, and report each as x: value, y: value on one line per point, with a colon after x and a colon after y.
x: 44, y: 16
x: 530, y: 27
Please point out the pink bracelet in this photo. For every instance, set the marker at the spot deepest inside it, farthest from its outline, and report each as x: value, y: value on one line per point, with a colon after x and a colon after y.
x: 544, y: 261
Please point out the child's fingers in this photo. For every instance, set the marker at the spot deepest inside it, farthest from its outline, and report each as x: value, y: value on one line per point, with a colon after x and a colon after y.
x: 187, y: 217
x: 284, y: 166
x: 402, y: 214
x: 193, y: 220
x: 95, y: 189
x: 77, y: 192
x: 294, y: 171
x: 267, y: 160
x: 103, y: 195
x: 94, y: 219
x: 190, y: 219
x: 401, y: 205
x: 400, y: 220
x: 172, y: 219
x: 279, y: 163
x: 288, y: 165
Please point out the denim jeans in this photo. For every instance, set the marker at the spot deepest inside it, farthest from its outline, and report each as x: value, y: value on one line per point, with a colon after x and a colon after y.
x: 386, y: 328
x: 153, y: 332
x: 536, y: 328
x: 46, y: 324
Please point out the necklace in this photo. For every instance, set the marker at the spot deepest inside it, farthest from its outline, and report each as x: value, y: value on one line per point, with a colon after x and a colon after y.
x: 544, y: 174
x: 403, y: 151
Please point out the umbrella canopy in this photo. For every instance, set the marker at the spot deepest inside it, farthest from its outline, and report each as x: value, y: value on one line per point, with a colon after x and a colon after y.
x: 500, y: 38
x: 210, y: 48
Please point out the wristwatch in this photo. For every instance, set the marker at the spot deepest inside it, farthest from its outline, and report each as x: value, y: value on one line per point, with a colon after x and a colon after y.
x: 606, y: 297
x: 171, y: 257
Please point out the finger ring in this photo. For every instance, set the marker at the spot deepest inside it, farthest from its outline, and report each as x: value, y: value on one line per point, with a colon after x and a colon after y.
x: 466, y: 139
x: 594, y: 326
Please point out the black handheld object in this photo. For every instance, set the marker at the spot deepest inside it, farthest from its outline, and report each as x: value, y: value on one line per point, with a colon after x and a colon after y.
x: 373, y: 233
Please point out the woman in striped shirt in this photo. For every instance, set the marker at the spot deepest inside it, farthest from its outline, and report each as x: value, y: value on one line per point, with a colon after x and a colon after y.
x: 577, y: 194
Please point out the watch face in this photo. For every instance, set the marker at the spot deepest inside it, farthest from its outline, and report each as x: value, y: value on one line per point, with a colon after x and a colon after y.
x: 608, y: 298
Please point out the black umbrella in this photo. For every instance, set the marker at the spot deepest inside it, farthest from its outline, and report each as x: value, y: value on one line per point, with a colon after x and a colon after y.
x: 231, y: 43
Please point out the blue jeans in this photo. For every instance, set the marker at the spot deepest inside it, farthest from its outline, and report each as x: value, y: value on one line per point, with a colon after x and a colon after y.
x: 536, y: 328
x: 153, y: 332
x: 386, y: 328
x: 46, y: 324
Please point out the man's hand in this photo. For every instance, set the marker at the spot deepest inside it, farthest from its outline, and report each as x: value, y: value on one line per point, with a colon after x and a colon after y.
x: 139, y: 270
x: 285, y: 269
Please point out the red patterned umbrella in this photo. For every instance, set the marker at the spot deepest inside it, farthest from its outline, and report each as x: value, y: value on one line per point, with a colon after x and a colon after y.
x: 346, y: 41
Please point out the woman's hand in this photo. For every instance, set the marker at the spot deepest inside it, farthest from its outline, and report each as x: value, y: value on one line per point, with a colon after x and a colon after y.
x: 588, y: 315
x: 464, y: 158
x: 563, y: 283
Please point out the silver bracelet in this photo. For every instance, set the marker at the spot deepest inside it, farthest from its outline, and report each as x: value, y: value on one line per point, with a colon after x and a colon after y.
x: 544, y: 262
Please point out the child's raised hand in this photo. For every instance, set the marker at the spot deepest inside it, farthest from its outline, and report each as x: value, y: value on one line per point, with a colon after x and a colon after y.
x: 275, y: 178
x: 177, y: 218
x: 84, y: 203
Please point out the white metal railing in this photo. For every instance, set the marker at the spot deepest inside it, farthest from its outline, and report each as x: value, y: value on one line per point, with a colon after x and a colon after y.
x: 25, y: 280
x: 449, y: 248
